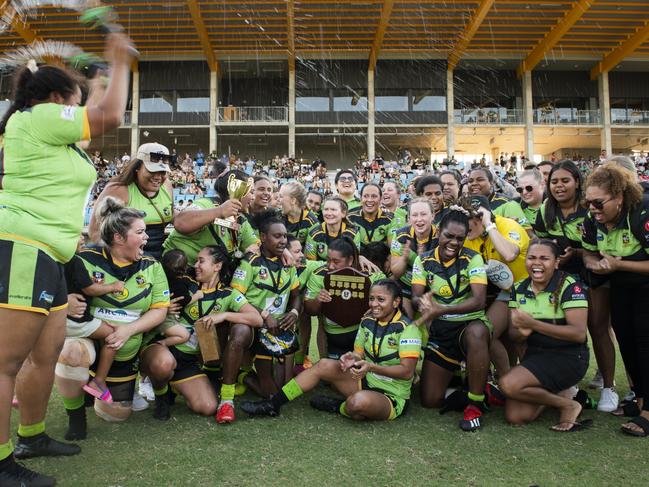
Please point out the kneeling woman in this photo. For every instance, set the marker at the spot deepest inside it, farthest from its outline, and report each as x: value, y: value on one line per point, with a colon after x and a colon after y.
x: 219, y: 305
x: 138, y: 308
x: 548, y: 312
x: 455, y: 282
x: 375, y: 378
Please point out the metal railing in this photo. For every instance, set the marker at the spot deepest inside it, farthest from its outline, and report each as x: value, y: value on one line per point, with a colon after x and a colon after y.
x: 624, y: 116
x: 488, y: 116
x: 252, y: 114
x: 567, y: 116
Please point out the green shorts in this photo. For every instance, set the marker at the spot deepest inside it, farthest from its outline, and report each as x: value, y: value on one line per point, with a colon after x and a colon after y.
x: 30, y: 280
x: 399, y: 405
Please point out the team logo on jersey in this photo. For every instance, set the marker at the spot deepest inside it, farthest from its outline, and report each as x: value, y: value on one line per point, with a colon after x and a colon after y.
x: 382, y: 230
x: 445, y: 291
x: 222, y: 230
x: 522, y: 301
x: 121, y: 295
x: 217, y: 307
x: 392, y: 343
x: 600, y: 237
x: 167, y: 211
x: 625, y: 238
x: 140, y: 281
x: 278, y: 302
x: 321, y: 248
x: 551, y: 298
x: 580, y: 228
x: 98, y: 277
x: 263, y: 273
x: 193, y: 312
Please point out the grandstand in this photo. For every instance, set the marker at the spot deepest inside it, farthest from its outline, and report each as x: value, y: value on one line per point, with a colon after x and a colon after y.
x: 338, y: 79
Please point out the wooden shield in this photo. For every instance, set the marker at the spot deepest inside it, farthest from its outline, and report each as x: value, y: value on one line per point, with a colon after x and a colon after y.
x: 350, y: 293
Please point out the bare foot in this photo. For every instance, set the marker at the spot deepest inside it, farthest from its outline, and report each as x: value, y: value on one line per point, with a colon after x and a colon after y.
x: 568, y: 417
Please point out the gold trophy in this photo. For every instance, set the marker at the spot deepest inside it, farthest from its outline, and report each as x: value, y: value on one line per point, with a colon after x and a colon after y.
x: 237, y: 189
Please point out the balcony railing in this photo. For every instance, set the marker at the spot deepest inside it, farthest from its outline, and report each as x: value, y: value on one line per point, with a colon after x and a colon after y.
x: 252, y: 114
x: 566, y: 116
x: 488, y: 116
x: 623, y: 116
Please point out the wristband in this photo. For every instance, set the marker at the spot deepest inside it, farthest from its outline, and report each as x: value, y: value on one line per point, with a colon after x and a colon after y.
x: 295, y: 312
x: 490, y: 227
x: 264, y: 316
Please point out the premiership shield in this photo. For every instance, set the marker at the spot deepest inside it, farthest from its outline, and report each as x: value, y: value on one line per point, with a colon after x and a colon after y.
x: 350, y: 292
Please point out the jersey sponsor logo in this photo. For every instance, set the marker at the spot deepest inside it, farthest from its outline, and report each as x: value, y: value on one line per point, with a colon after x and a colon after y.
x: 166, y: 293
x: 239, y: 274
x: 140, y: 281
x: 239, y: 298
x: 477, y: 270
x: 410, y: 341
x: 116, y: 314
x: 578, y: 296
x: 522, y: 301
x: 600, y: 236
x: 46, y: 297
x: 381, y: 377
x: 577, y: 289
x: 98, y: 277
x: 68, y: 113
x: 309, y: 248
x: 396, y: 246
x: 514, y: 236
x: 121, y: 295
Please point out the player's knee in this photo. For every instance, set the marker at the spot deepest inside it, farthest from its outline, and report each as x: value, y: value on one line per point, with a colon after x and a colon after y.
x: 240, y: 335
x: 476, y: 335
x: 204, y: 407
x: 356, y: 404
x: 507, y: 385
x: 77, y: 353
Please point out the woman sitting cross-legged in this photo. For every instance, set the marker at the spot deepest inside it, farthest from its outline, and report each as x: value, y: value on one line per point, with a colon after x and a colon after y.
x: 548, y: 312
x: 375, y: 378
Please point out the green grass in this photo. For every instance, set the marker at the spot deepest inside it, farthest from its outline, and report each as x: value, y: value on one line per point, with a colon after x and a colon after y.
x: 306, y: 447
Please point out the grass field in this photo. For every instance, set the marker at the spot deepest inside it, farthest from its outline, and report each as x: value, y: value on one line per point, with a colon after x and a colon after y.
x: 306, y: 447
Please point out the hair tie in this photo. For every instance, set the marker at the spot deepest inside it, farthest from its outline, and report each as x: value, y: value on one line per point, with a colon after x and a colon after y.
x: 460, y: 209
x: 32, y: 66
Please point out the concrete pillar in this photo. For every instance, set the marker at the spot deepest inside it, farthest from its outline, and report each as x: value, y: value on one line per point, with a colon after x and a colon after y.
x: 605, y: 113
x: 135, y: 112
x: 528, y: 115
x: 450, y: 115
x: 371, y: 147
x: 291, y: 112
x: 214, y: 101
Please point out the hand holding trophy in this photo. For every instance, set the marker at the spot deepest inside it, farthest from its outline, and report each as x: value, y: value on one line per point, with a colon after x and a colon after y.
x: 237, y: 190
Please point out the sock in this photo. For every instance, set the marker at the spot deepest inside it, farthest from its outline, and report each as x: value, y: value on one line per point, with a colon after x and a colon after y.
x: 290, y: 391
x: 31, y: 430
x: 227, y: 392
x: 76, y: 403
x: 476, y: 399
x: 6, y: 449
x: 342, y: 411
x: 162, y: 391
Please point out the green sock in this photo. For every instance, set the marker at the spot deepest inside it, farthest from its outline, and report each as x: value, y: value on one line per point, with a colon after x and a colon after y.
x: 6, y: 449
x: 290, y: 391
x: 478, y: 399
x: 27, y: 431
x: 227, y: 392
x: 76, y: 403
x: 162, y: 391
x: 342, y: 411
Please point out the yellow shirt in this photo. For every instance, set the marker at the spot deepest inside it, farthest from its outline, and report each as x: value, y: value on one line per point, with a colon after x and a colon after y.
x: 513, y: 232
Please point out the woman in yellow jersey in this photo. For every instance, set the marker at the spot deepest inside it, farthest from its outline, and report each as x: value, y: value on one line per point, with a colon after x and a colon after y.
x: 143, y: 185
x: 503, y: 244
x: 45, y: 180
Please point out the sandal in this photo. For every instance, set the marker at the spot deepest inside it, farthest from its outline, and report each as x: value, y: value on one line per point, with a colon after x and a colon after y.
x: 576, y: 426
x: 629, y: 409
x: 101, y: 394
x: 640, y: 421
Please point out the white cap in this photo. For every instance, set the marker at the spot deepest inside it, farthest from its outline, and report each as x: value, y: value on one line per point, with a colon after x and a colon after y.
x: 144, y: 154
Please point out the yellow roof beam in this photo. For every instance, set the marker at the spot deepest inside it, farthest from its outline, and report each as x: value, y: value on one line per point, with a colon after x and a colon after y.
x: 554, y: 36
x: 197, y: 18
x: 384, y: 21
x: 469, y: 31
x: 290, y: 18
x: 616, y: 56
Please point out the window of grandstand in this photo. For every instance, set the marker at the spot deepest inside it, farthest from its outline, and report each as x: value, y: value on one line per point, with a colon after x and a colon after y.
x: 422, y: 101
x: 156, y: 102
x: 391, y: 103
x: 343, y: 102
x: 312, y: 104
x: 193, y: 101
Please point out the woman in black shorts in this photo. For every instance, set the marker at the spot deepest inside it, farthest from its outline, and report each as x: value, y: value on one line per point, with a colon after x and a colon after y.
x: 548, y: 312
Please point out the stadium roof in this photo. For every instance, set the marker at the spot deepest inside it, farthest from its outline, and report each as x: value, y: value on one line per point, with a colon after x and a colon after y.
x: 531, y: 32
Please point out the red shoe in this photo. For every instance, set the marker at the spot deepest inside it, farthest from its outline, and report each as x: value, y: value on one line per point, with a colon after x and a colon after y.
x: 472, y: 416
x: 494, y: 396
x: 225, y: 413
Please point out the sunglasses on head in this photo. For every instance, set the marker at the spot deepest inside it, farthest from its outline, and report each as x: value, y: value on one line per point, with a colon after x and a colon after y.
x: 524, y: 188
x: 159, y: 157
x: 597, y: 204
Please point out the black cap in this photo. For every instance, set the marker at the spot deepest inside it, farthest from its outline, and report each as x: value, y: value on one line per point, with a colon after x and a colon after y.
x: 479, y: 201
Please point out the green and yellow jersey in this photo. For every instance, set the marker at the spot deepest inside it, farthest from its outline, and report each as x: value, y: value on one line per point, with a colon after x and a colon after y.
x: 212, y: 234
x: 45, y: 179
x: 353, y: 204
x: 385, y: 344
x: 375, y: 230
x: 319, y: 238
x: 406, y: 236
x: 450, y: 282
x: 300, y: 228
x: 544, y: 307
x: 400, y: 217
x: 530, y: 213
x: 266, y: 283
x: 305, y: 270
x: 145, y: 288
x: 507, y: 208
x: 159, y: 213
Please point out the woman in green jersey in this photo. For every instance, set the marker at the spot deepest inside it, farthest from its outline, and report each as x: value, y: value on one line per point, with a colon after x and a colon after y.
x: 375, y: 378
x: 45, y: 179
x: 372, y: 223
x: 297, y: 217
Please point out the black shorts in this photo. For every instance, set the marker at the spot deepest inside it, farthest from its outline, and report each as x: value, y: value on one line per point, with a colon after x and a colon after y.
x: 188, y: 366
x: 30, y: 280
x: 557, y: 369
x: 121, y: 377
x: 406, y: 290
x: 339, y: 344
x: 445, y: 347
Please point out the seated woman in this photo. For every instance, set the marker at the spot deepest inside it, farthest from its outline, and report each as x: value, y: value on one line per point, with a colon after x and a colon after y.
x: 449, y: 285
x: 548, y: 312
x: 375, y: 378
x: 218, y: 305
x: 139, y: 307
